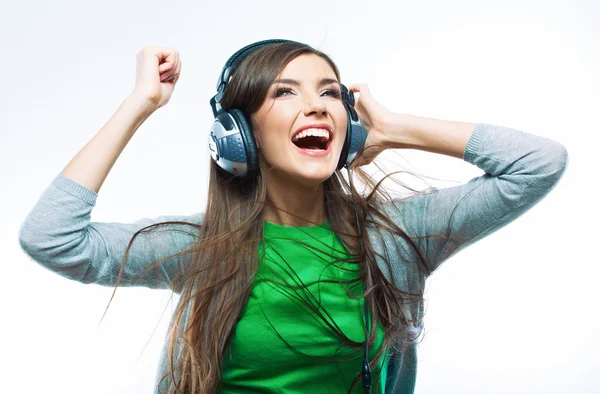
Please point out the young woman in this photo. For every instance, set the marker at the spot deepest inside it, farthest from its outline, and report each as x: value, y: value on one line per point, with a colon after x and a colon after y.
x: 288, y: 269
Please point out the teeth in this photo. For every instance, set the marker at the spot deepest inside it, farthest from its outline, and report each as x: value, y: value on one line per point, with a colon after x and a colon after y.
x: 313, y: 133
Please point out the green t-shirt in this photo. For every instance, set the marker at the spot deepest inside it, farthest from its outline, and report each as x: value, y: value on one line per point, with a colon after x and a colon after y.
x: 280, y: 344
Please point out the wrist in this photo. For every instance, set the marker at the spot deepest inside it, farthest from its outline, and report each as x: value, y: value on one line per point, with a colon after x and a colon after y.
x: 397, y: 131
x: 429, y: 134
x: 140, y: 104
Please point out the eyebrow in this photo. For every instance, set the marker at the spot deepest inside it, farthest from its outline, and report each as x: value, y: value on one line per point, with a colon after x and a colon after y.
x: 322, y: 82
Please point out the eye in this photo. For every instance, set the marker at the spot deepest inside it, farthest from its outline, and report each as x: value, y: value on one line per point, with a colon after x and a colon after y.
x: 281, y: 91
x: 333, y: 92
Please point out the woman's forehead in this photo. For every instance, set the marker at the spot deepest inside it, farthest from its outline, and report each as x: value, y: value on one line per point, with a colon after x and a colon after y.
x: 307, y: 68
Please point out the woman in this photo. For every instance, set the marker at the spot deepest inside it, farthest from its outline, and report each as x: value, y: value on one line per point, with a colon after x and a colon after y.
x: 288, y: 269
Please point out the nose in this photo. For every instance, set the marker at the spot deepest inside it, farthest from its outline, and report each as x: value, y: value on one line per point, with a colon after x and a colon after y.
x: 315, y: 105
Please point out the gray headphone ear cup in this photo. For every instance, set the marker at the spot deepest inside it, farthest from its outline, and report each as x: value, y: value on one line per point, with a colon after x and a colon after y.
x: 248, y: 137
x: 347, y: 141
x: 356, y: 135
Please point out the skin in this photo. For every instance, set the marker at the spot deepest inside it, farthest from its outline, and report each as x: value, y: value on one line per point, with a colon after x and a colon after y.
x: 294, y: 180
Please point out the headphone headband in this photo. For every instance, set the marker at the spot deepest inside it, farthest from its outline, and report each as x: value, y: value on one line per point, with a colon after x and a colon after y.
x: 232, y: 63
x: 235, y: 59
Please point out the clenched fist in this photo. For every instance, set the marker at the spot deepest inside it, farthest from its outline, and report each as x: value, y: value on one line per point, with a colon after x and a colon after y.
x: 158, y: 70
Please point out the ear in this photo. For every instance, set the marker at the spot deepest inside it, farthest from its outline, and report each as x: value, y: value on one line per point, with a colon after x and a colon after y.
x: 254, y: 132
x: 256, y: 140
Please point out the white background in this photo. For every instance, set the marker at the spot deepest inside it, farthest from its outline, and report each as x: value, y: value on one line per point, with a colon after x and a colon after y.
x: 515, y: 313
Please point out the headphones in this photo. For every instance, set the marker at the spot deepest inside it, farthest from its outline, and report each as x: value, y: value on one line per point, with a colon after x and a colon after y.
x: 231, y: 142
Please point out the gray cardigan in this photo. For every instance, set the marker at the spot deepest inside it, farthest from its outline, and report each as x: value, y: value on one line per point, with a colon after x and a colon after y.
x: 520, y: 169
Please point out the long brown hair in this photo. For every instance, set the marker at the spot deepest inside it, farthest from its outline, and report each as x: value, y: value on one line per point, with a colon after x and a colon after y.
x: 216, y: 283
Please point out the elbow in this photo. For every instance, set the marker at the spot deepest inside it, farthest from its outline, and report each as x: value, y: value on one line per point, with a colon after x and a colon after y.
x: 550, y: 171
x: 27, y: 239
x: 564, y: 159
x: 558, y: 161
x: 68, y: 260
x: 34, y: 239
x: 33, y: 245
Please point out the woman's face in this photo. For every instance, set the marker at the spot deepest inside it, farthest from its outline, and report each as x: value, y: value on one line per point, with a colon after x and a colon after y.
x: 305, y: 94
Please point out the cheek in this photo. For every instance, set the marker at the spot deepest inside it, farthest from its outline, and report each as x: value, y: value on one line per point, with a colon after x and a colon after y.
x: 341, y: 125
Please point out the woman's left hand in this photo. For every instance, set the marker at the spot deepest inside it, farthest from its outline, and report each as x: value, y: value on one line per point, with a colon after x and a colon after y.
x: 374, y: 117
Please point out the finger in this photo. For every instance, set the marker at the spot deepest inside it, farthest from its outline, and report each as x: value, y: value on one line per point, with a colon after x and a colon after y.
x: 166, y: 75
x: 171, y: 78
x: 150, y: 59
x: 167, y: 60
x: 358, y: 87
x: 176, y: 63
x: 171, y: 70
x: 158, y: 55
x: 361, y: 89
x: 177, y: 72
x: 172, y: 75
x: 165, y: 54
x: 165, y: 67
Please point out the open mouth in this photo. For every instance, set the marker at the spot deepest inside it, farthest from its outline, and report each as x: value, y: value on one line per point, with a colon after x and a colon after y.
x: 313, y: 139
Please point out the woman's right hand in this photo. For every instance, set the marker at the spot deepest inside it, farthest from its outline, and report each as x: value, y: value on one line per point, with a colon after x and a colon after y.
x: 158, y: 70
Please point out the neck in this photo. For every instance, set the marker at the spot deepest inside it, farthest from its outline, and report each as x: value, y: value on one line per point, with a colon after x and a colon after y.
x: 292, y: 204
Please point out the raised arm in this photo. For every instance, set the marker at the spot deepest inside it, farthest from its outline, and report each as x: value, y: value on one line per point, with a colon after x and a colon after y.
x: 58, y: 233
x: 157, y: 72
x: 519, y: 170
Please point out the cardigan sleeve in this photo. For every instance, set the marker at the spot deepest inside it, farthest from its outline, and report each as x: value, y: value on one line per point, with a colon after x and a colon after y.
x: 520, y: 169
x: 57, y: 233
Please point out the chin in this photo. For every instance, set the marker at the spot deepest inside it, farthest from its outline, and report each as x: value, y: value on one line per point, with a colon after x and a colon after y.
x: 314, y: 177
x: 307, y: 172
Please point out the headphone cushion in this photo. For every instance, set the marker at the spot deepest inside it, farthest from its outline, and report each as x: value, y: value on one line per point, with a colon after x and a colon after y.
x: 248, y: 137
x: 347, y: 141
